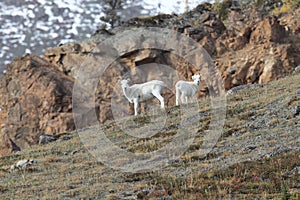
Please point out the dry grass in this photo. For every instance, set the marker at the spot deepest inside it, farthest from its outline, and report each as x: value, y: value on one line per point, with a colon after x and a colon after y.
x: 258, y: 121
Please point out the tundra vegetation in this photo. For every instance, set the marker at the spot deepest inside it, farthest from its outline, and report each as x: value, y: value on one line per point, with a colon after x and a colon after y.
x: 260, y: 135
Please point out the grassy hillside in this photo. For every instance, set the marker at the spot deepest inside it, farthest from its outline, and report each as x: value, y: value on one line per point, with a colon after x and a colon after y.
x: 257, y: 157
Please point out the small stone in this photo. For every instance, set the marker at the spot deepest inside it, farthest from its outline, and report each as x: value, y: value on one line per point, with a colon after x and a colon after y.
x: 296, y: 110
x: 297, y: 69
x: 298, y: 92
x: 231, y: 70
x: 296, y: 170
x: 66, y: 138
x: 111, y: 191
x: 74, y: 152
x: 291, y: 100
x: 249, y: 148
x: 46, y: 138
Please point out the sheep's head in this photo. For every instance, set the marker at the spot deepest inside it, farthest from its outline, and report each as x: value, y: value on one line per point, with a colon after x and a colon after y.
x: 196, y: 78
x: 123, y: 83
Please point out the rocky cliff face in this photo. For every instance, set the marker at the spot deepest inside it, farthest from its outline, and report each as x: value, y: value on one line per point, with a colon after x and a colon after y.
x: 251, y: 47
x: 267, y: 53
x: 35, y: 99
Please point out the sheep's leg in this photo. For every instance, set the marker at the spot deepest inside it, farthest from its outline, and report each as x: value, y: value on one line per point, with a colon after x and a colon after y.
x: 182, y: 98
x: 177, y: 96
x: 193, y: 99
x: 160, y: 98
x: 136, y: 106
x: 189, y: 99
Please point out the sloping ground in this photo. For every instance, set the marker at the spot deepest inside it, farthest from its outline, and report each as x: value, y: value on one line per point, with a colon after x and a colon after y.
x: 253, y: 47
x: 257, y: 156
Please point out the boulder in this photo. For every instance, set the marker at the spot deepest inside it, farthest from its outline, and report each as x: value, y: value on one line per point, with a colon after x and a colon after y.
x: 46, y: 138
x: 35, y: 98
x: 68, y: 58
x: 268, y: 30
x: 272, y: 70
x: 291, y: 21
x: 7, y: 145
x: 22, y: 165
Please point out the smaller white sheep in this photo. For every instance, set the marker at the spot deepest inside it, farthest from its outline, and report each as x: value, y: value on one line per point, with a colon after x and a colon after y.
x: 187, y: 89
x: 142, y: 92
x: 22, y: 164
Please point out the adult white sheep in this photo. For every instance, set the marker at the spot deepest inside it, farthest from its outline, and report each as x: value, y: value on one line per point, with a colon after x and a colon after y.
x: 142, y: 92
x: 187, y: 89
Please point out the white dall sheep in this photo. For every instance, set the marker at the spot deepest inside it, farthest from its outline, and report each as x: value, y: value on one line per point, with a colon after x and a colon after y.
x: 187, y: 89
x: 142, y: 92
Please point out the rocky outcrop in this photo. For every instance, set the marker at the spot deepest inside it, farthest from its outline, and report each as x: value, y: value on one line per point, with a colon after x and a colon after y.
x: 68, y: 58
x: 268, y: 30
x: 262, y: 53
x: 36, y: 98
x: 291, y: 21
x: 257, y: 64
x: 251, y: 48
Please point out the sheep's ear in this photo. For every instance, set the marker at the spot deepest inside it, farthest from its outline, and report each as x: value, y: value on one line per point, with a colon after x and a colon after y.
x: 193, y: 77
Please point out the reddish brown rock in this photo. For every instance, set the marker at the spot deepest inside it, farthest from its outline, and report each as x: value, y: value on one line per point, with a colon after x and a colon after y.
x: 291, y: 21
x: 36, y: 98
x: 271, y: 71
x: 8, y: 146
x: 209, y: 45
x: 69, y: 57
x: 268, y: 30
